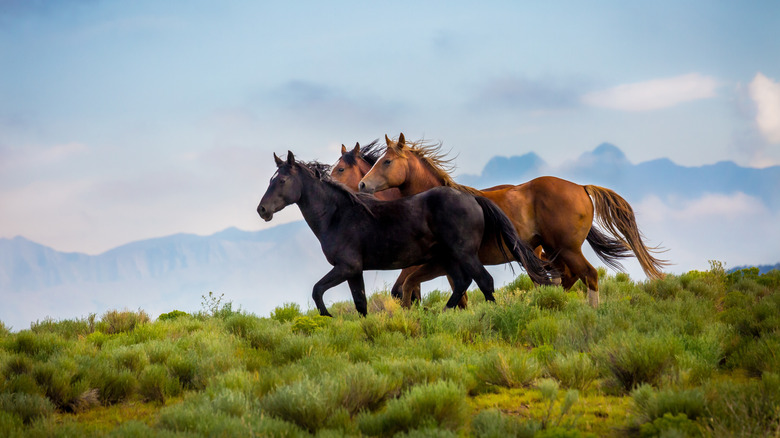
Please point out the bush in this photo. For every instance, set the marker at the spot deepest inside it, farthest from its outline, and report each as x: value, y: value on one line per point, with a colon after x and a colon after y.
x: 241, y: 324
x: 130, y: 358
x: 507, y: 369
x: 287, y: 313
x: 304, y: 403
x: 439, y: 405
x: 28, y: 407
x: 521, y: 283
x: 173, y: 314
x: 360, y: 387
x: 156, y: 384
x: 671, y: 426
x: 115, y: 321
x: 39, y: 346
x: 743, y: 408
x: 68, y: 329
x: 491, y: 423
x: 650, y: 405
x: 542, y: 331
x: 549, y: 297
x: 574, y: 370
x: 309, y: 324
x: 633, y: 358
x: 116, y: 386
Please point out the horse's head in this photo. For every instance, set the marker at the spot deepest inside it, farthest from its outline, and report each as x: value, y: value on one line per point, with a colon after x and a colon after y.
x: 350, y: 168
x: 284, y: 188
x: 390, y: 170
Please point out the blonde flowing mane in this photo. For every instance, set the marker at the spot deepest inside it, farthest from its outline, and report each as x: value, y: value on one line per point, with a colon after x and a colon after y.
x: 431, y: 155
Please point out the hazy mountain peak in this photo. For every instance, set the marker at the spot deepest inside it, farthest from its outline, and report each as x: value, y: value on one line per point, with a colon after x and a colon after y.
x: 606, y: 152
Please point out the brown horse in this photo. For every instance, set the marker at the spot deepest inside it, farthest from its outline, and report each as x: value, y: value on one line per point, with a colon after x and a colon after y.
x: 549, y: 212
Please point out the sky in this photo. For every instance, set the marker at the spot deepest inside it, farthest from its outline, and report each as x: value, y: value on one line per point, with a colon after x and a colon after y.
x: 126, y: 120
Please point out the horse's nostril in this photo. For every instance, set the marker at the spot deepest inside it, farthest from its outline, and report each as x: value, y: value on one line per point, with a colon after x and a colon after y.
x: 362, y: 185
x: 261, y: 209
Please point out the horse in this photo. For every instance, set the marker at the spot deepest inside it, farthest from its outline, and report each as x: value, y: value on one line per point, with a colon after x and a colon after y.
x: 550, y: 212
x: 350, y: 168
x: 439, y: 229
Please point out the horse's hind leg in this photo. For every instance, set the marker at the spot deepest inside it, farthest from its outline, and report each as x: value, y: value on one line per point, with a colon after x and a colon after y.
x: 358, y: 289
x: 579, y: 268
x: 397, y: 290
x: 482, y: 277
x: 460, y: 282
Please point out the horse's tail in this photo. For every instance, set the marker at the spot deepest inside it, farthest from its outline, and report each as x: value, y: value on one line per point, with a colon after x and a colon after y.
x: 616, y: 216
x: 497, y: 224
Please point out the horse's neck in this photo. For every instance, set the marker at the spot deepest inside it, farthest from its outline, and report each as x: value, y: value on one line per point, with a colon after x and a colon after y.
x: 419, y: 178
x: 319, y: 203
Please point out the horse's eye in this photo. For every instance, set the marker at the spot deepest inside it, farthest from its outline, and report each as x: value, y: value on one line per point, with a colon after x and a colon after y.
x: 341, y: 169
x: 387, y: 162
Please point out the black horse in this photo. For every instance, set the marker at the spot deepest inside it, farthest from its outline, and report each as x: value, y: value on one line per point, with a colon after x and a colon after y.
x: 440, y: 228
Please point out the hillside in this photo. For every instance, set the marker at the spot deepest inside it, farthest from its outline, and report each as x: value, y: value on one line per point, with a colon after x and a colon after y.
x: 690, y: 355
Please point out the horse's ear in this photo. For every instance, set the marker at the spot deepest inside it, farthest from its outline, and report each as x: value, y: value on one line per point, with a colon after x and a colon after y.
x: 278, y: 160
x: 356, y: 150
x: 290, y: 158
x: 401, y: 141
x: 387, y: 140
x: 317, y: 173
x: 343, y: 149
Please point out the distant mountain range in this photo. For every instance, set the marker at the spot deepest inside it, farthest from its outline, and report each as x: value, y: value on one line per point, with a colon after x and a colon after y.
x: 261, y: 270
x: 607, y: 166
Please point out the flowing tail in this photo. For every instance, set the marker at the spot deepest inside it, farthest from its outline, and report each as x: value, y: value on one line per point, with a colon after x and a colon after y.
x: 615, y: 216
x: 499, y: 225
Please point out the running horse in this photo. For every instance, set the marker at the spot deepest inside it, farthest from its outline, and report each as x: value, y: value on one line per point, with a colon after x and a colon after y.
x: 441, y: 229
x: 549, y: 212
x: 351, y: 167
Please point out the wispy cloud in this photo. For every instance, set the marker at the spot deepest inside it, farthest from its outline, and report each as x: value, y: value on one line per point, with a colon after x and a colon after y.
x: 654, y: 94
x: 528, y: 94
x: 765, y: 93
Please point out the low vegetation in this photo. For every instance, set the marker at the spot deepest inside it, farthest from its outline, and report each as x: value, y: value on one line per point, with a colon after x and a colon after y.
x: 689, y: 355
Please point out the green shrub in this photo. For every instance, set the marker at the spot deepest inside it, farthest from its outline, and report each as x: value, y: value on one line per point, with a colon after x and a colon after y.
x: 28, y: 407
x: 131, y: 358
x: 553, y: 420
x: 521, y: 283
x: 172, y: 315
x: 116, y: 386
x: 185, y: 368
x: 156, y: 384
x: 287, y: 313
x: 68, y: 329
x: 574, y: 370
x: 439, y: 405
x: 4, y: 330
x: 38, y: 345
x: 435, y: 299
x: 508, y: 319
x: 650, y: 405
x: 360, y: 387
x: 671, y: 426
x: 18, y: 365
x: 746, y: 409
x: 491, y: 423
x: 241, y: 324
x: 309, y: 324
x: 508, y: 369
x: 417, y: 371
x: 61, y: 385
x: 115, y: 321
x: 633, y: 358
x: 542, y: 331
x: 304, y: 403
x: 668, y: 287
x: 549, y: 297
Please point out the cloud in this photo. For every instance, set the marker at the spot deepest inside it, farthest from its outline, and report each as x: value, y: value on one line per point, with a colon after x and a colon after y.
x: 28, y: 158
x: 654, y: 94
x: 524, y: 93
x: 736, y: 229
x: 765, y: 93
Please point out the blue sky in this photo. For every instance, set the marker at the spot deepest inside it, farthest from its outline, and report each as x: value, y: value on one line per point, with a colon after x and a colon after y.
x: 125, y: 120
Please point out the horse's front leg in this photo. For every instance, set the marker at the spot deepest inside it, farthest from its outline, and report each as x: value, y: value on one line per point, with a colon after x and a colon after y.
x: 358, y: 289
x: 336, y: 276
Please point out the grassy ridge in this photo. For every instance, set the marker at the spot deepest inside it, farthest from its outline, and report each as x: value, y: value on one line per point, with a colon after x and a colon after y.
x: 689, y: 355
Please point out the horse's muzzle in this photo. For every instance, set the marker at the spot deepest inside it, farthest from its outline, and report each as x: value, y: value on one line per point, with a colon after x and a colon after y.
x: 264, y: 213
x: 363, y: 188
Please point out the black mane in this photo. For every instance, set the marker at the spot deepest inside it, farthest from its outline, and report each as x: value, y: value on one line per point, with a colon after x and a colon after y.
x: 370, y: 153
x: 322, y: 172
